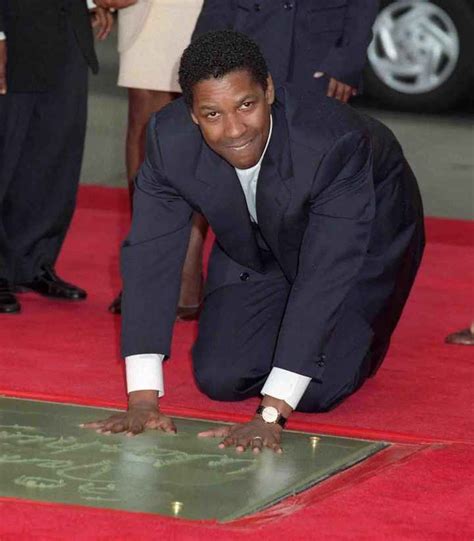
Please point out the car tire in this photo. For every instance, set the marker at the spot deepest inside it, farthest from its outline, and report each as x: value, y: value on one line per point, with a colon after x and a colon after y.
x: 450, y: 92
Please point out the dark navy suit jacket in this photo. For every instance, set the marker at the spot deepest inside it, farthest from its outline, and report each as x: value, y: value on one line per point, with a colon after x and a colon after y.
x: 37, y: 40
x: 300, y: 37
x: 336, y: 203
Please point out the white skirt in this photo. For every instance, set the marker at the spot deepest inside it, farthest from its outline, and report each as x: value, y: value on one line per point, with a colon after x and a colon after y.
x: 152, y: 37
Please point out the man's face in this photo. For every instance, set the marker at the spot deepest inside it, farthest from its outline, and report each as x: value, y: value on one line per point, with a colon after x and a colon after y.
x: 233, y: 113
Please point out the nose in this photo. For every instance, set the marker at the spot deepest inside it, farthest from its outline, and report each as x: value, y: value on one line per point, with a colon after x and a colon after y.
x: 234, y: 128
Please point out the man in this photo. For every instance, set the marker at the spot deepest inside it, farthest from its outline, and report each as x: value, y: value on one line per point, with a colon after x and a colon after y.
x: 316, y: 44
x: 45, y: 51
x: 319, y: 235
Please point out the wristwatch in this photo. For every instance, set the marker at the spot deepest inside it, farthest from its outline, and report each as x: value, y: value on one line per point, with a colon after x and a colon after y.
x: 271, y: 415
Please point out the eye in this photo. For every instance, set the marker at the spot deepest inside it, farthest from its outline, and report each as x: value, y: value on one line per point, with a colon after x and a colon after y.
x: 212, y: 115
x: 247, y: 104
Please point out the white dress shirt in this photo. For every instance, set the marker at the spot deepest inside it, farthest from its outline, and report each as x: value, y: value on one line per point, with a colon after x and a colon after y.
x: 145, y: 371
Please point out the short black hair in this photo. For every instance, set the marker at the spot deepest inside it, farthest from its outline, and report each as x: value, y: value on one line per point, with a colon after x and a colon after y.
x: 216, y: 54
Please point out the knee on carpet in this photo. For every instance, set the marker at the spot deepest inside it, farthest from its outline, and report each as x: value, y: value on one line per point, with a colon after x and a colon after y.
x: 215, y: 381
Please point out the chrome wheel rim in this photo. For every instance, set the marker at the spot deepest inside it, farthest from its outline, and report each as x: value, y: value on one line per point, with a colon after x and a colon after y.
x: 415, y: 47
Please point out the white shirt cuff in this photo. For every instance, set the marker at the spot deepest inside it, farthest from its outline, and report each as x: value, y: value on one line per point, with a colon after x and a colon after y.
x: 91, y: 4
x: 2, y: 36
x: 145, y: 373
x: 286, y: 385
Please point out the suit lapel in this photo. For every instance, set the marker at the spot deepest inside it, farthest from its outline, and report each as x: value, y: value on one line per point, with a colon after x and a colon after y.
x: 274, y: 182
x: 226, y: 209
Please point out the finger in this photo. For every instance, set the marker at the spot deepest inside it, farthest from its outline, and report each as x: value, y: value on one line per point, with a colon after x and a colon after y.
x: 227, y: 442
x: 110, y: 24
x: 219, y: 432
x: 118, y: 427
x: 276, y: 447
x: 257, y: 446
x: 354, y: 92
x: 95, y: 424
x: 107, y: 25
x: 168, y: 426
x: 331, y: 87
x: 106, y: 425
x: 347, y: 93
x: 136, y: 427
x: 101, y: 26
x: 339, y: 94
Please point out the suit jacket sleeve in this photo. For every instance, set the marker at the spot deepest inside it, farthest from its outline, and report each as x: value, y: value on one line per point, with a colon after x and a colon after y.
x: 333, y: 250
x: 346, y: 61
x: 152, y: 256
x: 215, y: 15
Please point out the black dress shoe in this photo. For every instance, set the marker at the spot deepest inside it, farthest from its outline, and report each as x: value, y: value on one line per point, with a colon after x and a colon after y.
x: 49, y: 284
x: 116, y: 305
x: 8, y: 302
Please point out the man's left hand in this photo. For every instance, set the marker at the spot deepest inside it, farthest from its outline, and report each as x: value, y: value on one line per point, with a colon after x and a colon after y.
x: 340, y: 91
x: 255, y: 435
x: 102, y: 21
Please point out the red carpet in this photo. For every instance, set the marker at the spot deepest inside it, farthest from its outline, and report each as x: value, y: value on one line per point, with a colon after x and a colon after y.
x: 423, y: 394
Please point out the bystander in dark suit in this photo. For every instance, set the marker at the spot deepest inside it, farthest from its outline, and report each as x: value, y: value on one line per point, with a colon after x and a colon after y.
x: 47, y: 47
x: 315, y: 44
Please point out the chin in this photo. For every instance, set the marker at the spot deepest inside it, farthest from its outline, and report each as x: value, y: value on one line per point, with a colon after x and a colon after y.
x: 246, y: 163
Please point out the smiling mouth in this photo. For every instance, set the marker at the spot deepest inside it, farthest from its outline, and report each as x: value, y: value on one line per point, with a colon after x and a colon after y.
x: 238, y: 148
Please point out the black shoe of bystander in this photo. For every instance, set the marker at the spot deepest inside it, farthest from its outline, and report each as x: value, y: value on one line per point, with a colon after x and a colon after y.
x: 8, y: 302
x: 50, y: 285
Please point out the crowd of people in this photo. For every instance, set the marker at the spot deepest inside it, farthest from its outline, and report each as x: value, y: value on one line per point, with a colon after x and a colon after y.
x: 291, y: 63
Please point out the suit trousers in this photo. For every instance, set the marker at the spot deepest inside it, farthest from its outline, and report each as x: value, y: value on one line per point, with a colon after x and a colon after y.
x: 238, y: 333
x: 41, y: 148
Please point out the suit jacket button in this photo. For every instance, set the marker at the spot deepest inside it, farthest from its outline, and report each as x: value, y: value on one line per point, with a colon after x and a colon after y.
x: 320, y: 364
x: 288, y: 5
x: 244, y: 276
x: 257, y: 7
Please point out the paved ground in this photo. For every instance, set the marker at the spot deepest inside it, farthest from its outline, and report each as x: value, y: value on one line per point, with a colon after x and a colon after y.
x: 440, y: 148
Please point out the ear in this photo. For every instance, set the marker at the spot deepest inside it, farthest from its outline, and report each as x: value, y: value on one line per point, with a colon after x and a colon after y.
x: 193, y: 116
x: 270, y: 91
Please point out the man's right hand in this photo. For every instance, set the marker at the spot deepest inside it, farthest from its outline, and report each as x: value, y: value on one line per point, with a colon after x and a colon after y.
x: 142, y: 413
x: 114, y: 4
x: 3, y: 66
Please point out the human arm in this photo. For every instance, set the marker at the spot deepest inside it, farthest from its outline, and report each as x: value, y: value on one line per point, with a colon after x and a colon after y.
x: 345, y: 61
x: 340, y: 214
x: 152, y: 258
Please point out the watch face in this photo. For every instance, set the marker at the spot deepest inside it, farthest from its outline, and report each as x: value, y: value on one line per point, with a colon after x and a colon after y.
x: 270, y: 414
